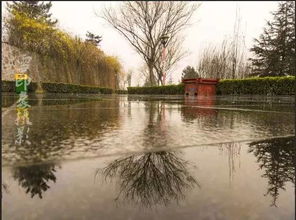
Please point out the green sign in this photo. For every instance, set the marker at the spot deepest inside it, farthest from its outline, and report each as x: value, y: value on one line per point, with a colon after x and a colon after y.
x: 21, y: 83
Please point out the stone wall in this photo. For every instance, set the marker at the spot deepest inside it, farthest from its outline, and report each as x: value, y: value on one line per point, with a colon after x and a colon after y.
x: 15, y: 61
x: 49, y: 69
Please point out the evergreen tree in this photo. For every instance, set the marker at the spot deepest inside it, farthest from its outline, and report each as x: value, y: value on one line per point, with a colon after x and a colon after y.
x: 276, y: 158
x: 93, y: 39
x: 275, y: 49
x: 36, y: 10
x: 189, y: 72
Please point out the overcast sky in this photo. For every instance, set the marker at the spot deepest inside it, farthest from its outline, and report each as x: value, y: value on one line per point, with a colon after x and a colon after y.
x: 211, y: 23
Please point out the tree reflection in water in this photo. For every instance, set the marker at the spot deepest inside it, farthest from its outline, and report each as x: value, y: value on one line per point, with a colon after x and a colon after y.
x: 34, y: 178
x: 233, y: 151
x: 277, y: 158
x: 151, y: 178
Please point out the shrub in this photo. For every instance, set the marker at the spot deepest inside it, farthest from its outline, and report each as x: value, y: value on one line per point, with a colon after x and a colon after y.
x: 165, y: 90
x: 258, y: 86
x: 9, y: 86
x: 249, y: 86
x: 120, y: 91
x: 72, y: 88
x: 48, y: 41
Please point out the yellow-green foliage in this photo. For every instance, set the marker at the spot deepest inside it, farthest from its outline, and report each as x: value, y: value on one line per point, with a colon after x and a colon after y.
x: 48, y: 41
x: 29, y: 34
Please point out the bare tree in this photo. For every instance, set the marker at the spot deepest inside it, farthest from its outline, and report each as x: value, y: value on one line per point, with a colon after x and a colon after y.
x: 143, y: 23
x: 151, y: 178
x: 125, y: 79
x: 215, y: 61
x: 129, y: 78
x: 235, y: 42
x: 218, y: 62
x: 227, y: 60
x: 174, y: 54
x: 143, y: 75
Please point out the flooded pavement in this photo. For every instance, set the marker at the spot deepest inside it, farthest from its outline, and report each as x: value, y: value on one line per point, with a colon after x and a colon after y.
x: 149, y: 157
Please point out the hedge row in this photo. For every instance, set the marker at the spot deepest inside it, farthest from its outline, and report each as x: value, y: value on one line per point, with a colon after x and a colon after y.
x: 120, y: 91
x: 249, y: 86
x: 166, y: 90
x: 72, y: 88
x: 9, y: 86
x: 258, y: 86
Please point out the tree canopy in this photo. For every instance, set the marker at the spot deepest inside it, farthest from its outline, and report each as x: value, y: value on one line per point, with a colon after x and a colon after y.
x: 144, y: 23
x: 189, y: 73
x: 275, y: 48
x: 37, y: 10
x: 93, y: 39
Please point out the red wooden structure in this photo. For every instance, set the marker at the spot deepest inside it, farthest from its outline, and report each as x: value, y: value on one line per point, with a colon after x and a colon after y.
x: 200, y: 87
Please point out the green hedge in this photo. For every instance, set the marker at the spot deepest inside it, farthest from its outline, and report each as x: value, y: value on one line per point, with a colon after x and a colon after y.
x: 72, y: 88
x: 249, y: 86
x: 120, y: 91
x: 166, y: 90
x: 9, y: 86
x: 258, y: 86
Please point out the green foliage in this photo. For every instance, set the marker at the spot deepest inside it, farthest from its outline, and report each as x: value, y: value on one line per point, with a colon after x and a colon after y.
x: 36, y: 10
x: 120, y: 91
x: 189, y: 73
x: 93, y: 39
x: 249, y: 86
x: 72, y: 88
x: 79, y: 57
x: 9, y: 86
x: 275, y: 49
x: 165, y: 90
x: 258, y: 86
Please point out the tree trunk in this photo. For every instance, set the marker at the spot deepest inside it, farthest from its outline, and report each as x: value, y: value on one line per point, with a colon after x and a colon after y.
x: 151, y: 75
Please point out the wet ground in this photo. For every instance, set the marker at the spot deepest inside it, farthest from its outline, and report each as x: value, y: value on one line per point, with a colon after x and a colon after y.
x: 148, y: 157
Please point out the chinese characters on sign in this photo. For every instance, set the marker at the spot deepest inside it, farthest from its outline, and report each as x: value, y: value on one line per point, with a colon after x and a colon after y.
x: 22, y: 121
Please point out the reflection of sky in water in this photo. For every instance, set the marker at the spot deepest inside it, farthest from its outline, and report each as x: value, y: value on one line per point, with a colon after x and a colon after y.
x: 226, y: 181
x: 79, y: 128
x: 251, y: 179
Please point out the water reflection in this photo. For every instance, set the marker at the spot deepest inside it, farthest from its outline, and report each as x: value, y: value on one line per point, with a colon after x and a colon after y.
x: 8, y: 99
x: 155, y: 132
x: 154, y: 178
x: 206, y: 114
x: 35, y: 179
x: 150, y: 179
x: 233, y: 151
x: 60, y: 131
x: 199, y: 108
x: 277, y: 158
